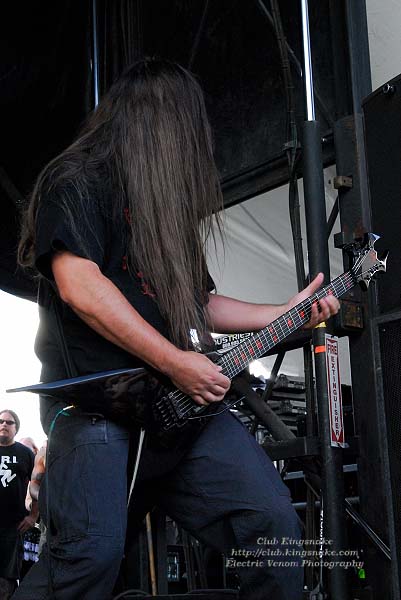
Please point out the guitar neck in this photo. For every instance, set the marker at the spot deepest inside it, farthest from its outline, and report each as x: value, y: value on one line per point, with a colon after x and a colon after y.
x: 236, y: 360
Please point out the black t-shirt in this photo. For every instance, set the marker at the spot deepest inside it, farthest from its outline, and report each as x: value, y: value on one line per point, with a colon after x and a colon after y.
x: 91, y: 233
x: 16, y: 464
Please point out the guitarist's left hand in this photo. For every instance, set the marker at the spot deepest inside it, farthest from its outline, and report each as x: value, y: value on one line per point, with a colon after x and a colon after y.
x: 329, y: 305
x: 227, y: 315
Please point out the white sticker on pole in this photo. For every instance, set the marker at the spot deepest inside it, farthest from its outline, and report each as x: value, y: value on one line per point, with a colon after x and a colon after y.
x: 334, y: 391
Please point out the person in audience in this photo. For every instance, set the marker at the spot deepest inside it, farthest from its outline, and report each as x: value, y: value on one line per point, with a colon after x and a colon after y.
x: 16, y: 464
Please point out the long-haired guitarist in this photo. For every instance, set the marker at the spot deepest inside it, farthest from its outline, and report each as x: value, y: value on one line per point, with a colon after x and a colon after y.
x: 116, y: 229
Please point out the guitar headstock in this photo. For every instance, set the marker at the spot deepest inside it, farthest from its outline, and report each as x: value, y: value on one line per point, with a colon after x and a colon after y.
x: 365, y: 262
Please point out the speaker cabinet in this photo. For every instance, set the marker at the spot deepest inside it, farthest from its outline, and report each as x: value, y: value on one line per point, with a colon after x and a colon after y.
x: 382, y: 118
x: 388, y: 371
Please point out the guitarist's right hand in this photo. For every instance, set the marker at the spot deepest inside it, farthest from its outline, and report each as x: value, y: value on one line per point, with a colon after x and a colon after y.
x: 196, y: 375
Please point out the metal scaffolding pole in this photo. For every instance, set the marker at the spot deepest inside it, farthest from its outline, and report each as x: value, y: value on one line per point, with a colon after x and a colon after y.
x: 95, y: 55
x: 316, y: 225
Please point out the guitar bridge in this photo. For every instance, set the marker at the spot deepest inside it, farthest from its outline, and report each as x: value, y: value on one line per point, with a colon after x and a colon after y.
x: 166, y: 415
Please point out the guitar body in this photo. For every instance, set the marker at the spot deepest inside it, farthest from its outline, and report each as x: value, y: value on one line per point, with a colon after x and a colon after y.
x: 135, y: 398
x: 140, y: 399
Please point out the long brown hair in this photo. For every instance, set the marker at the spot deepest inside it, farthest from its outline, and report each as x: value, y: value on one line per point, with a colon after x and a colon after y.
x: 152, y: 134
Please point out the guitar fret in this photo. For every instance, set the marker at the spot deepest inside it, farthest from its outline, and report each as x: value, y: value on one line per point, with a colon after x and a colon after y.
x: 295, y: 318
x: 298, y: 317
x: 272, y: 332
x: 279, y: 324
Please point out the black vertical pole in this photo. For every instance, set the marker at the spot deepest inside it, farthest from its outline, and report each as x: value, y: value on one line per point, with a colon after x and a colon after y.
x: 316, y: 224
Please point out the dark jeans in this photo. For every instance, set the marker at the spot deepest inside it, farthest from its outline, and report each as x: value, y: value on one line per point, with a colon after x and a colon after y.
x: 225, y: 491
x: 86, y: 484
x: 11, y: 552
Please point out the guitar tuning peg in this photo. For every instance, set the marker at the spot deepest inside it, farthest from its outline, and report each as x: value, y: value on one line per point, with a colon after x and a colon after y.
x: 383, y: 261
x: 371, y: 239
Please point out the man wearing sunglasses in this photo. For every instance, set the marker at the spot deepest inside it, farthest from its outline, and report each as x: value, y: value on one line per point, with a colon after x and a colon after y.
x: 16, y: 464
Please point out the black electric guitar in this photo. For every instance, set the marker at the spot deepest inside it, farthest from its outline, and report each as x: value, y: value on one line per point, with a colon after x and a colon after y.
x: 143, y: 397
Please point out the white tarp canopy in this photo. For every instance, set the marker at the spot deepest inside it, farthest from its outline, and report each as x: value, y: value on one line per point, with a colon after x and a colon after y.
x: 257, y: 262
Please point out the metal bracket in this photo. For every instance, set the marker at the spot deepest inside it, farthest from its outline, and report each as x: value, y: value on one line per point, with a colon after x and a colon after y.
x: 351, y: 316
x: 343, y: 239
x: 342, y: 181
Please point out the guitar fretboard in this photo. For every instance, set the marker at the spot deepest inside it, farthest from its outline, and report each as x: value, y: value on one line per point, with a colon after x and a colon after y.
x: 365, y: 265
x: 236, y: 360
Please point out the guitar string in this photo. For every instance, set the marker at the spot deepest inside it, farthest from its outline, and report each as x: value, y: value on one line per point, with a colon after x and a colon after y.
x: 188, y: 402
x: 294, y: 312
x: 348, y: 277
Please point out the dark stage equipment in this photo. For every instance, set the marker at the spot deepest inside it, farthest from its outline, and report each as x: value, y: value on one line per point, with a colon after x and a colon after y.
x: 382, y: 125
x: 388, y: 373
x: 230, y: 45
x: 196, y: 595
x: 369, y: 150
x: 382, y: 116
